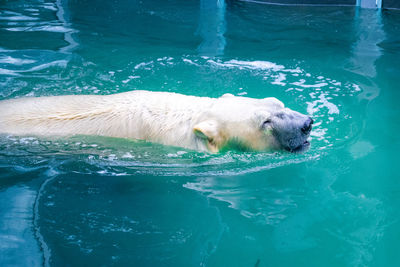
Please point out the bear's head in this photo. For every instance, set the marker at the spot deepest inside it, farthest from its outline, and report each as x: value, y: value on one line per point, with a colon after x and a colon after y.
x: 253, y: 124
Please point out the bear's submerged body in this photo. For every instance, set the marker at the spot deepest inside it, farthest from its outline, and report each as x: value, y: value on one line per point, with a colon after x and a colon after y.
x: 199, y: 123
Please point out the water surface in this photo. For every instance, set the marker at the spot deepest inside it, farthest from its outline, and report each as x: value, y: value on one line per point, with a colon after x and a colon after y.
x: 105, y: 201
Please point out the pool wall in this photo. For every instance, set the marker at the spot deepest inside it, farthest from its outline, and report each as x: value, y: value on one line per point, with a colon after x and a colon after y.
x: 308, y: 2
x: 390, y: 4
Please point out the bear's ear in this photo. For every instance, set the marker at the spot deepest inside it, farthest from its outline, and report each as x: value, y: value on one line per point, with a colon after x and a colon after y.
x: 209, y: 131
x: 274, y: 101
x: 227, y: 95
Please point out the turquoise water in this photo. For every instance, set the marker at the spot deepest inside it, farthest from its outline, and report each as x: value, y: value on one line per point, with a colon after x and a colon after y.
x: 104, y: 201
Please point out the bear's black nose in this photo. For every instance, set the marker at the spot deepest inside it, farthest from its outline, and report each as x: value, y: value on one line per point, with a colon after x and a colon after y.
x: 307, y: 126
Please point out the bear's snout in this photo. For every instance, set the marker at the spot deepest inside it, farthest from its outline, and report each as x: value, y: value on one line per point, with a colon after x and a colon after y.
x: 306, y: 129
x: 291, y: 129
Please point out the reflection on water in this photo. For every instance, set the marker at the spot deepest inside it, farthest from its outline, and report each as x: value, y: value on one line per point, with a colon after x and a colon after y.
x: 119, y: 157
x: 212, y: 27
x: 103, y: 201
x: 366, y: 50
x: 62, y: 15
x: 16, y: 233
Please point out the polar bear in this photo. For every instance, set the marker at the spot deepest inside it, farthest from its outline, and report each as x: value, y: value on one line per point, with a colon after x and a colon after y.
x: 198, y: 123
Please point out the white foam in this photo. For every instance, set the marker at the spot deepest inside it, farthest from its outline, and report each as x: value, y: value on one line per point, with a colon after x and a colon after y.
x: 177, y: 154
x: 143, y: 64
x: 190, y: 61
x: 302, y: 81
x: 127, y: 155
x: 319, y: 133
x: 296, y: 71
x: 59, y: 63
x: 322, y: 101
x: 17, y: 18
x: 281, y: 77
x: 46, y: 28
x: 50, y: 6
x: 8, y: 72
x: 15, y: 61
x: 32, y: 9
x: 165, y: 59
x: 356, y: 88
x: 254, y: 65
x: 49, y: 28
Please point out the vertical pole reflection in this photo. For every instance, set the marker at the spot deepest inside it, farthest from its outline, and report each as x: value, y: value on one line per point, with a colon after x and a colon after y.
x: 367, y: 3
x: 212, y: 27
x: 62, y: 15
x: 366, y: 51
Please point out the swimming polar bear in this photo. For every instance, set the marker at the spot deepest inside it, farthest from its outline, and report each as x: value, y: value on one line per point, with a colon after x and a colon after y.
x: 199, y: 123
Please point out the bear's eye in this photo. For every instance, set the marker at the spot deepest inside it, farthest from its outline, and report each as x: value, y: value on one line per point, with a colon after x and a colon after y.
x: 266, y: 123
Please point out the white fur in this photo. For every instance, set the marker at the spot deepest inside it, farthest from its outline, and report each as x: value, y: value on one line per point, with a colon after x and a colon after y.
x: 199, y: 123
